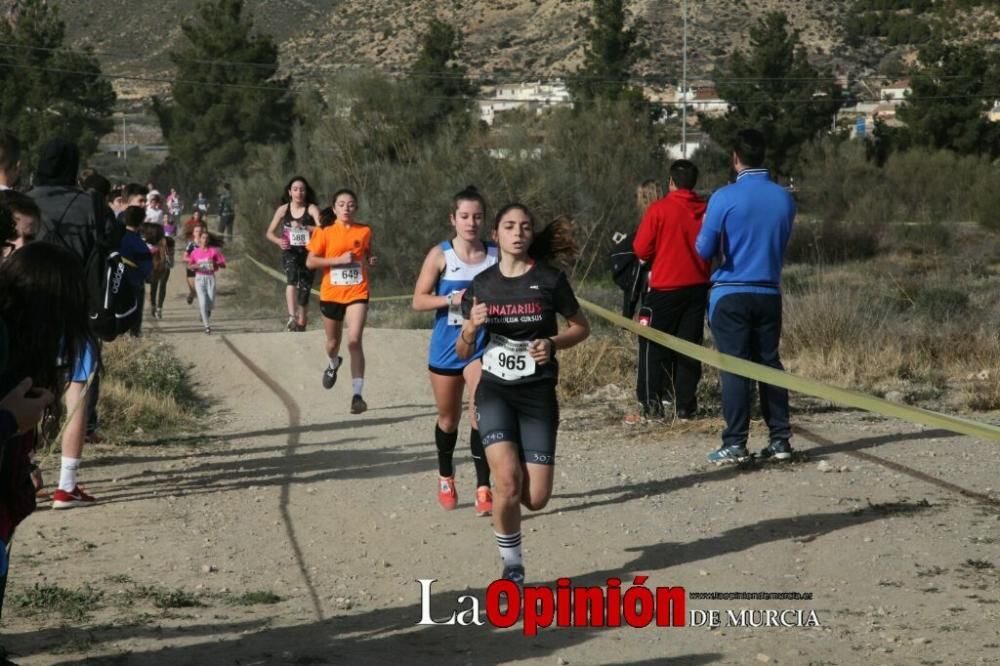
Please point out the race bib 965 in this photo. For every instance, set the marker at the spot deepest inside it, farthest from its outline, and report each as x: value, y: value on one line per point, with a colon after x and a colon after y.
x: 508, y: 359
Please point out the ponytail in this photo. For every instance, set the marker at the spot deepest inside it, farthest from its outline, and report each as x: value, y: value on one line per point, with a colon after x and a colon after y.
x: 555, y: 243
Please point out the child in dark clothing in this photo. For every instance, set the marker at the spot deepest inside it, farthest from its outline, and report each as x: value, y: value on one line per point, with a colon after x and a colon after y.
x: 137, y: 256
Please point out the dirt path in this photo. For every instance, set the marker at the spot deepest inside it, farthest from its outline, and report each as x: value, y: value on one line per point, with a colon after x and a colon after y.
x: 284, y: 497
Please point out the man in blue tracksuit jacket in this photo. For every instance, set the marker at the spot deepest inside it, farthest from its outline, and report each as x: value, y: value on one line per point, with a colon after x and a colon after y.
x: 746, y: 227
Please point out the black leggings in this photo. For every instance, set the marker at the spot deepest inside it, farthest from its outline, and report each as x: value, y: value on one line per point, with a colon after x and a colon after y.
x: 158, y: 290
x: 526, y: 414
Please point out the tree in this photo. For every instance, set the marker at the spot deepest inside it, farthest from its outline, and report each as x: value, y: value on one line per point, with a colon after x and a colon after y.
x: 46, y: 91
x: 226, y: 96
x: 950, y: 96
x: 611, y: 51
x: 439, y: 78
x: 773, y: 88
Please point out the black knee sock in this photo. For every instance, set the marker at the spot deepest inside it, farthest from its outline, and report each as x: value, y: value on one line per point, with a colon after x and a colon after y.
x: 445, y: 442
x: 479, y: 458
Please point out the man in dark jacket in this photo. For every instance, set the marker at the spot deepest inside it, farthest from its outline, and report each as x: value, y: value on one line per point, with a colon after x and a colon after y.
x: 678, y: 289
x: 69, y: 219
x: 67, y: 210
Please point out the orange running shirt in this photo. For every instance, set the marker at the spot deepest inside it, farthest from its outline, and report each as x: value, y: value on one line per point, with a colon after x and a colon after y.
x: 345, y: 283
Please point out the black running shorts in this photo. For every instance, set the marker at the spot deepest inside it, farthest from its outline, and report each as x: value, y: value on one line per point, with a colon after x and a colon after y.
x: 336, y: 311
x: 526, y: 414
x: 297, y: 275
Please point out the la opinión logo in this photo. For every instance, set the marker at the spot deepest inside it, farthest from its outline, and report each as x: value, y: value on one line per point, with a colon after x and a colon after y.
x: 566, y: 606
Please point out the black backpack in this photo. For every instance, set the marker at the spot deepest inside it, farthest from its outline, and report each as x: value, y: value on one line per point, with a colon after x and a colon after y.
x: 627, y: 271
x: 112, y: 308
x: 111, y: 305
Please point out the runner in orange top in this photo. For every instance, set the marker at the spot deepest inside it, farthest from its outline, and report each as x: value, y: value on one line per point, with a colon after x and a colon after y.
x: 343, y: 250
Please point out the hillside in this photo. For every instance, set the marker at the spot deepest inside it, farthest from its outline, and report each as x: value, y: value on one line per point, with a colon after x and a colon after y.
x: 522, y: 39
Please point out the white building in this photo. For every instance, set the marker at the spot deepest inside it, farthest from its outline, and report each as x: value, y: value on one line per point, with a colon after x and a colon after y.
x: 535, y: 95
x: 895, y: 93
x: 703, y: 99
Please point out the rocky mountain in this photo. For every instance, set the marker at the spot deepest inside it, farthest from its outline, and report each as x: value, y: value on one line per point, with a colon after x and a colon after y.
x: 503, y: 39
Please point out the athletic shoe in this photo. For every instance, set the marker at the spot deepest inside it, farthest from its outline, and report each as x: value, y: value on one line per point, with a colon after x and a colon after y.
x: 300, y: 328
x: 515, y: 573
x: 358, y: 404
x: 484, y: 501
x: 687, y: 414
x: 729, y: 454
x: 159, y: 313
x: 778, y: 449
x: 208, y: 330
x: 447, y: 497
x: 64, y: 500
x: 290, y: 324
x: 330, y: 375
x: 93, y: 438
x: 190, y: 299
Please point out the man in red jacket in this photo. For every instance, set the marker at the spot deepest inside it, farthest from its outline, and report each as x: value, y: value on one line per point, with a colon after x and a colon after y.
x: 678, y: 291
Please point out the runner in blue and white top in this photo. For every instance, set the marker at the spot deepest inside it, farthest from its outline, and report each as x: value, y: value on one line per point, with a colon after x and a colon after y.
x: 447, y: 272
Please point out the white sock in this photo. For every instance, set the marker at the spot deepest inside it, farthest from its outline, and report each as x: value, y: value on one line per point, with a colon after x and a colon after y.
x: 67, y: 473
x: 334, y: 364
x: 358, y: 383
x: 510, y: 549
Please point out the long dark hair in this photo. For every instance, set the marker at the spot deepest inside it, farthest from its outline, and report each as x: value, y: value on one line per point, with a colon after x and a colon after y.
x: 44, y: 307
x: 311, y: 199
x: 554, y: 244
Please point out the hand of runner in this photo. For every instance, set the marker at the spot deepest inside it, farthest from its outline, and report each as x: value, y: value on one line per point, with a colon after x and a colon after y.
x: 284, y: 243
x: 478, y: 314
x: 541, y: 350
x: 346, y: 258
x: 372, y: 260
x: 26, y: 404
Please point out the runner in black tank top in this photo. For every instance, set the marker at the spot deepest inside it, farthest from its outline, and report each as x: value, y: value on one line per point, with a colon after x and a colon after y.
x: 516, y: 301
x: 298, y: 216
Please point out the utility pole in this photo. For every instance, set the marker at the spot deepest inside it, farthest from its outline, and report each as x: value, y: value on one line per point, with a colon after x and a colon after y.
x: 684, y: 78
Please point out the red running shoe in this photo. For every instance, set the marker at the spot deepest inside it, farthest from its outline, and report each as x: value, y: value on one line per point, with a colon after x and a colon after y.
x: 64, y: 500
x: 484, y: 501
x: 447, y: 497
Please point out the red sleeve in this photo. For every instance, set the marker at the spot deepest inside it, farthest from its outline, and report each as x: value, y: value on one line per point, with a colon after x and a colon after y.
x: 644, y: 244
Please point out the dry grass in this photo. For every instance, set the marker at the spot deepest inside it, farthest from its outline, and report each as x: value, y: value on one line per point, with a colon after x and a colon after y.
x: 144, y: 386
x: 903, y: 326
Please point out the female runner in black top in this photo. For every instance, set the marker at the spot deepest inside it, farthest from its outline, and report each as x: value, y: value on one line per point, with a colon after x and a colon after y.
x: 298, y: 216
x: 516, y: 301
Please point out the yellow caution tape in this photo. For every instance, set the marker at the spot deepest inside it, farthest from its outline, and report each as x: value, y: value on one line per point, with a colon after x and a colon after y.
x: 761, y: 373
x: 275, y: 274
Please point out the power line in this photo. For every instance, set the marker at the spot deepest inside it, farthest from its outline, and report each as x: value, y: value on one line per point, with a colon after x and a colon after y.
x: 537, y: 100
x: 511, y: 76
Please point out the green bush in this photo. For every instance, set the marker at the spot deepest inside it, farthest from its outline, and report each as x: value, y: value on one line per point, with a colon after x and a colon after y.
x: 582, y: 164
